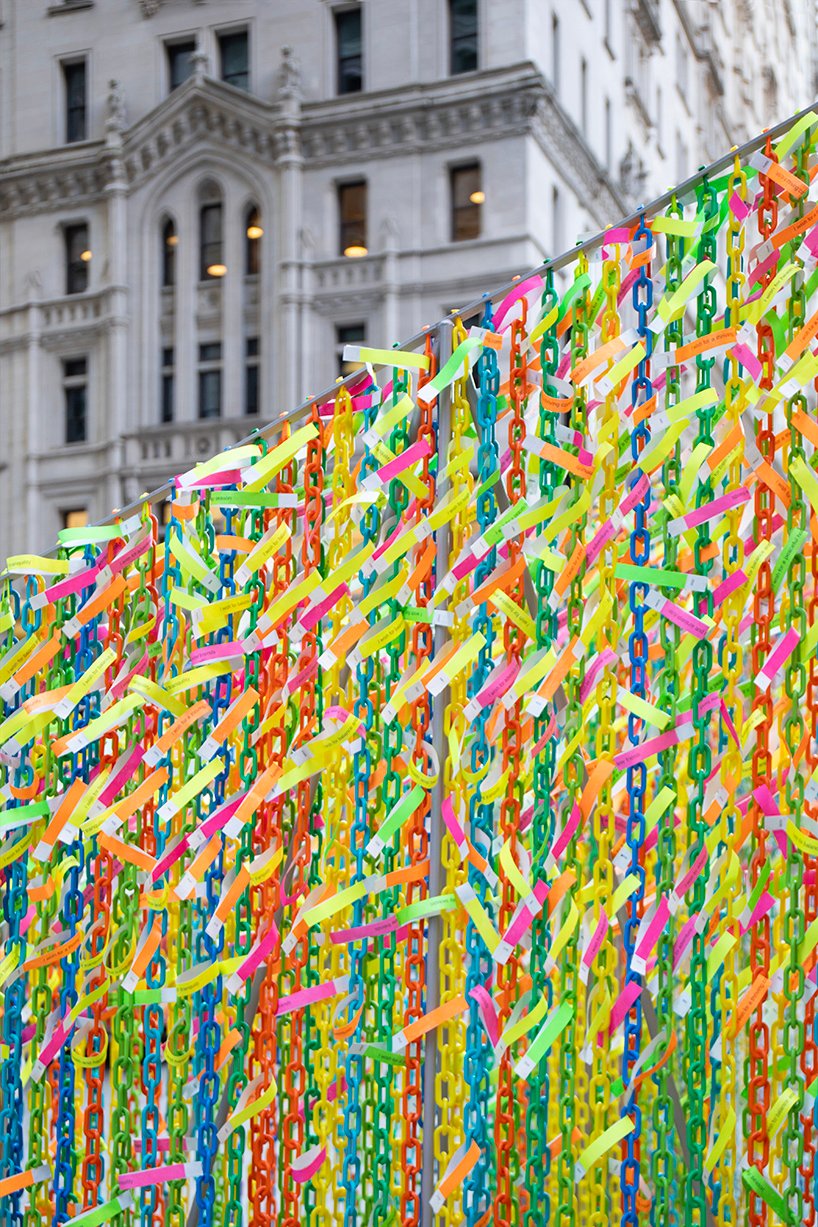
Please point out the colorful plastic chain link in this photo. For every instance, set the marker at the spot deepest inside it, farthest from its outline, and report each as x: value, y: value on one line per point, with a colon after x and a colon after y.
x: 421, y: 824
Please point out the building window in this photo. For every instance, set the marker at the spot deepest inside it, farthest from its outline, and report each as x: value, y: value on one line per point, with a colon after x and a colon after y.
x: 462, y: 36
x: 251, y: 376
x: 583, y: 96
x: 352, y: 218
x: 170, y: 241
x: 608, y: 135
x: 348, y: 334
x: 252, y: 241
x: 210, y: 380
x: 163, y: 514
x: 75, y: 395
x: 211, y: 260
x: 770, y: 91
x: 349, y: 51
x: 180, y: 62
x: 681, y: 66
x: 467, y: 201
x: 234, y: 58
x: 74, y: 81
x: 556, y: 221
x: 555, y: 53
x: 167, y: 387
x: 74, y: 517
x: 77, y: 258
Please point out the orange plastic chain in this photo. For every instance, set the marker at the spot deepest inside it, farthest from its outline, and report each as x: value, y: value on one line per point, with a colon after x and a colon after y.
x: 508, y: 974
x: 293, y: 1123
x: 758, y: 1101
x: 414, y: 967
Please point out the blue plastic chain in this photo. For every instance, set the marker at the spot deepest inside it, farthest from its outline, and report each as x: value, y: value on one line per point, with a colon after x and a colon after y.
x: 641, y: 390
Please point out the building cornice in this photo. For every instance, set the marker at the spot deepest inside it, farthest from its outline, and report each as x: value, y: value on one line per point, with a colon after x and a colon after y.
x: 442, y: 115
x: 198, y: 110
x: 565, y: 147
x: 49, y: 179
x: 76, y: 176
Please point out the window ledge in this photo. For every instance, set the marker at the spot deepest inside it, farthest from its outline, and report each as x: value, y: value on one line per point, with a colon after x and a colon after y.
x: 68, y: 6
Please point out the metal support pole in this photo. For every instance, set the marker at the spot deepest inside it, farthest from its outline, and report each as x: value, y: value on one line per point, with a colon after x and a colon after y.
x: 433, y: 931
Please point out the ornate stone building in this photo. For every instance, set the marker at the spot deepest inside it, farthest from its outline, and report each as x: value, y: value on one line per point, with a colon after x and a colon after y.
x: 202, y: 200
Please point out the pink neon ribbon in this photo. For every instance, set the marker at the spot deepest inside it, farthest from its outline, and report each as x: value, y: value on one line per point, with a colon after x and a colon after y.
x: 520, y: 289
x: 152, y: 1175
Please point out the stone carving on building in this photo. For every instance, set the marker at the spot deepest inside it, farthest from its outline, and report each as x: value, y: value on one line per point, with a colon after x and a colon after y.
x: 289, y: 75
x: 201, y: 65
x: 632, y: 174
x: 34, y: 284
x: 117, y: 119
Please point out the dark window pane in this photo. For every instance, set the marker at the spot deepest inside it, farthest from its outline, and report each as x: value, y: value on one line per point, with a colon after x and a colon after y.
x: 75, y: 101
x: 251, y: 351
x: 348, y: 334
x: 210, y: 394
x: 251, y: 390
x: 348, y: 39
x: 252, y: 242
x: 234, y: 55
x: 352, y: 217
x: 210, y: 239
x: 463, y: 35
x: 467, y: 199
x: 211, y: 352
x: 76, y: 269
x: 170, y: 240
x: 167, y: 397
x: 167, y: 385
x: 180, y: 62
x: 75, y: 392
x: 75, y: 414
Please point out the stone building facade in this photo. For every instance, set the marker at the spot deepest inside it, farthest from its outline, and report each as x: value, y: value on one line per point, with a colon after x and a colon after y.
x: 202, y: 200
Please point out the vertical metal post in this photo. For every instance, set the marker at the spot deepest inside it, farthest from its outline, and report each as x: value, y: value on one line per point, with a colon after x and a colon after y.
x: 433, y: 932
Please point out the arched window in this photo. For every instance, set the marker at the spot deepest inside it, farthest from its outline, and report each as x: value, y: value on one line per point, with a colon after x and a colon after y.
x: 170, y: 240
x: 252, y: 241
x: 211, y: 256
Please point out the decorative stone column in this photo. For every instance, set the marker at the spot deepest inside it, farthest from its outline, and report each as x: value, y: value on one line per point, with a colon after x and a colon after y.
x: 114, y: 401
x: 185, y: 326
x: 289, y: 292
x: 232, y: 294
x: 390, y: 325
x: 30, y: 426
